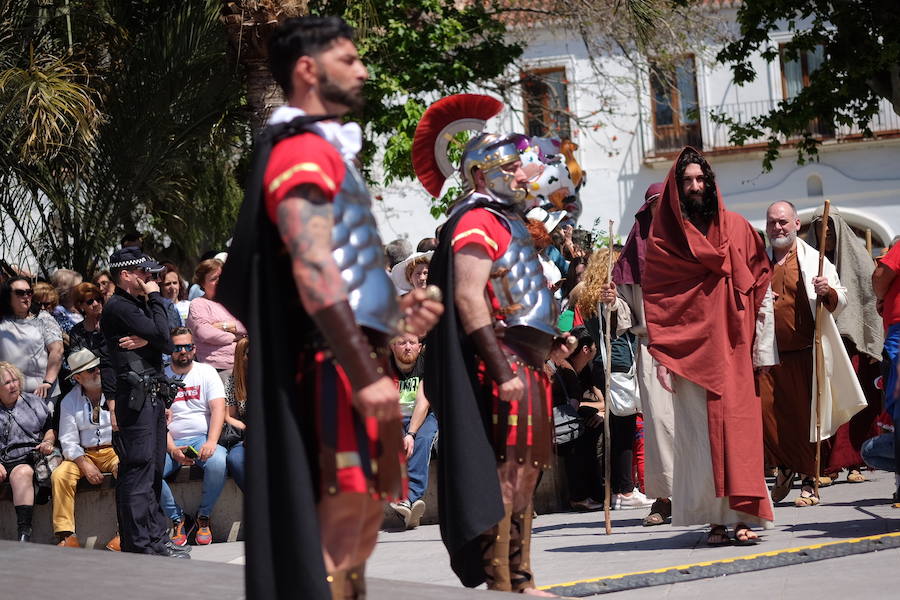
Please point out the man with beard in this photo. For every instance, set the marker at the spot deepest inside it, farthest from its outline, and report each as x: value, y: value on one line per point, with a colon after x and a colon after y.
x: 485, y: 359
x: 708, y: 310
x: 419, y: 424
x: 306, y: 274
x: 196, y: 418
x: 787, y: 390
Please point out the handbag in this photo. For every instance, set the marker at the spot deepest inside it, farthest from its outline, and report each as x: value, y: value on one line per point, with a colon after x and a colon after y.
x: 231, y: 436
x: 567, y: 425
x: 624, y: 397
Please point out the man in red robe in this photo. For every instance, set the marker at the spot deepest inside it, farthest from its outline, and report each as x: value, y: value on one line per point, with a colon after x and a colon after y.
x: 709, y: 316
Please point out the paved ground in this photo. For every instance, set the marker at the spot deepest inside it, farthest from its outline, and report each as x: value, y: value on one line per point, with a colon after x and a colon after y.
x: 572, y: 547
x: 568, y: 547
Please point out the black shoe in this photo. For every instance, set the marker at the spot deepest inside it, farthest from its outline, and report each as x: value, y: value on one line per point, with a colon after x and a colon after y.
x: 24, y: 534
x: 175, y: 552
x: 173, y: 546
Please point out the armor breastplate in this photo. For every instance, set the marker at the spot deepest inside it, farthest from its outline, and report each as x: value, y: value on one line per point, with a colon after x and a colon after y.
x: 518, y: 282
x: 357, y: 250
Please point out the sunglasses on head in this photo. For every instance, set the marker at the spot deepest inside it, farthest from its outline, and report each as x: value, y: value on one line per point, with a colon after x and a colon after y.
x: 27, y: 292
x: 183, y: 347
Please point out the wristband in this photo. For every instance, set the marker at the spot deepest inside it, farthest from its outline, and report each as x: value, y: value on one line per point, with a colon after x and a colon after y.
x: 487, y: 347
x: 50, y: 383
x: 412, y: 434
x: 349, y: 344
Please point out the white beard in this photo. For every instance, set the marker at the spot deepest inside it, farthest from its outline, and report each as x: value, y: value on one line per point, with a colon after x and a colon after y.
x: 784, y: 242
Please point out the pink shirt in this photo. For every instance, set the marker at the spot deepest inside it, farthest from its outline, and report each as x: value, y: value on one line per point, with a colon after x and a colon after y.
x: 214, y: 346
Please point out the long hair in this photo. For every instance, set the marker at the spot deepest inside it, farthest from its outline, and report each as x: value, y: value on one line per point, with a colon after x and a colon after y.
x: 239, y: 374
x: 571, y: 274
x: 182, y: 289
x: 706, y: 212
x: 593, y: 280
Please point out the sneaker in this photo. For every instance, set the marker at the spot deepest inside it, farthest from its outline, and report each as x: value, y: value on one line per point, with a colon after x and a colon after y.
x: 181, y: 529
x: 403, y: 510
x: 416, y: 511
x: 635, y: 500
x: 586, y: 505
x: 204, y: 534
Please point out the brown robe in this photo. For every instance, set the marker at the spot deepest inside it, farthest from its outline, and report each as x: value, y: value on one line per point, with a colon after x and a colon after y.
x: 786, y: 391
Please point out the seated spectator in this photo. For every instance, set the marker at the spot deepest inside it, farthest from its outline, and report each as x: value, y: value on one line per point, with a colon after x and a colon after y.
x: 33, y: 343
x: 420, y: 426
x: 216, y: 331
x: 25, y: 427
x: 85, y: 434
x: 578, y: 410
x: 104, y: 281
x: 173, y: 287
x: 197, y: 415
x: 46, y: 299
x: 411, y: 272
x: 396, y: 251
x: 64, y: 280
x: 236, y: 409
x: 427, y: 245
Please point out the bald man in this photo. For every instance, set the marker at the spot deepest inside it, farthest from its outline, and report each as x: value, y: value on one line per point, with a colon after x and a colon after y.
x: 787, y: 390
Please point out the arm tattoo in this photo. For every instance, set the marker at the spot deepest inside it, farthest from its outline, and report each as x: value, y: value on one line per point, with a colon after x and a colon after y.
x: 305, y: 221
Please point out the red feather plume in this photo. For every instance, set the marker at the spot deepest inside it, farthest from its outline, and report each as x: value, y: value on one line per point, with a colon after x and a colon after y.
x: 436, y: 119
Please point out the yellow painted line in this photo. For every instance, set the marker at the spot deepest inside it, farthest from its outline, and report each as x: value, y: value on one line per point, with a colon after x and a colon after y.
x: 725, y: 560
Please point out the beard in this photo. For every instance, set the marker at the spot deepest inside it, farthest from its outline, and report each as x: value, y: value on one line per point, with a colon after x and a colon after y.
x: 785, y: 241
x: 182, y: 361
x: 330, y: 91
x: 699, y: 209
x: 92, y: 384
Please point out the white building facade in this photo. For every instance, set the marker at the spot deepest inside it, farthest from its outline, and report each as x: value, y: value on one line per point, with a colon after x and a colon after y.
x: 644, y: 125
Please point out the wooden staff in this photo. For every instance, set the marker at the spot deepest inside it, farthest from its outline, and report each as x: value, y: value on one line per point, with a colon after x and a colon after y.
x: 869, y: 241
x: 820, y: 355
x: 607, y: 445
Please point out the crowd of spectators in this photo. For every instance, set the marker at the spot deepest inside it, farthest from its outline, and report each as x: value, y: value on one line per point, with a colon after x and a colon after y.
x: 55, y: 377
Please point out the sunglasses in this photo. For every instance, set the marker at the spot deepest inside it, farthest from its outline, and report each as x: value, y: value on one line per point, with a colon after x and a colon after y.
x: 95, y: 414
x: 28, y: 292
x: 45, y: 304
x: 90, y: 301
x: 183, y: 347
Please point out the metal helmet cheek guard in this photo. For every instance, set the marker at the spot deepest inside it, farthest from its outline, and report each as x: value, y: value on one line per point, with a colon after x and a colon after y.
x: 489, y: 152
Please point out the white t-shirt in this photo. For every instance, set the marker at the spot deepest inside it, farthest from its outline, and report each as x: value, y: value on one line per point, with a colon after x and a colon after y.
x: 190, y: 410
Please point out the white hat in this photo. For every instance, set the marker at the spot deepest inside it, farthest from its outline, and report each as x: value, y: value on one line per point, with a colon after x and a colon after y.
x: 82, y: 360
x: 398, y: 271
x: 550, y: 220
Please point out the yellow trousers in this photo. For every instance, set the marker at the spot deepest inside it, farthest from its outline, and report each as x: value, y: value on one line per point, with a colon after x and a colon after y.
x: 65, y: 478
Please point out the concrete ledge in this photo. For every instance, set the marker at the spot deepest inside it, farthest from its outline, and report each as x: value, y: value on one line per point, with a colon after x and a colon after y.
x: 95, y: 510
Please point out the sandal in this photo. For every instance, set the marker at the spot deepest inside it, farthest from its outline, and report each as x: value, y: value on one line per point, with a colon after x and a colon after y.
x: 742, y: 535
x: 807, y: 497
x: 660, y: 511
x: 854, y: 476
x: 784, y: 481
x: 718, y: 536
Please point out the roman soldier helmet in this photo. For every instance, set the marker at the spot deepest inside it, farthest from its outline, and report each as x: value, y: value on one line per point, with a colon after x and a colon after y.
x: 488, y: 152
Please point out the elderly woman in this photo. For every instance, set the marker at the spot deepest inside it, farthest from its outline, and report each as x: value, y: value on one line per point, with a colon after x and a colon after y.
x: 215, y: 329
x: 24, y: 428
x: 411, y: 272
x: 103, y: 280
x: 67, y: 315
x: 33, y: 343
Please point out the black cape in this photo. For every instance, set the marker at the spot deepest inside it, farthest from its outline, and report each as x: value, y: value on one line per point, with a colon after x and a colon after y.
x: 282, y: 535
x: 468, y: 488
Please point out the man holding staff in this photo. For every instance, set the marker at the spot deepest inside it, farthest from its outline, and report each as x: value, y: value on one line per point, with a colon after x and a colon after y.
x: 788, y: 391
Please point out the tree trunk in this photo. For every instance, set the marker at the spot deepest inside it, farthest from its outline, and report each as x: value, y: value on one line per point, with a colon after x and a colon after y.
x: 263, y: 94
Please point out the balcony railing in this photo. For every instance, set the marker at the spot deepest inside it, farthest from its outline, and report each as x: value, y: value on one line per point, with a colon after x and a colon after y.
x: 714, y: 136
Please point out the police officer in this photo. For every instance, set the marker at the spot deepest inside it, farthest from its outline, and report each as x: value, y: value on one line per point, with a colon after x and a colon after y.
x: 136, y: 328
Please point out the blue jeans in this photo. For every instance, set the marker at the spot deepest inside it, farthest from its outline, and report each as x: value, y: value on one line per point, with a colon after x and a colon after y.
x: 235, y: 463
x: 213, y: 479
x: 891, y: 352
x: 879, y: 452
x: 417, y: 464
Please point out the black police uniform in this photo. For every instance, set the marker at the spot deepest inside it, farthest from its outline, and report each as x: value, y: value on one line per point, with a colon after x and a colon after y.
x: 140, y: 442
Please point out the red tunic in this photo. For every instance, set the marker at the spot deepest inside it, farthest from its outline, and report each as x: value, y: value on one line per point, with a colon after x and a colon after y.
x: 702, y: 294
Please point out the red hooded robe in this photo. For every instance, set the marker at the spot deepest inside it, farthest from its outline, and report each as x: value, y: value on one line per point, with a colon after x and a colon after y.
x: 702, y: 295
